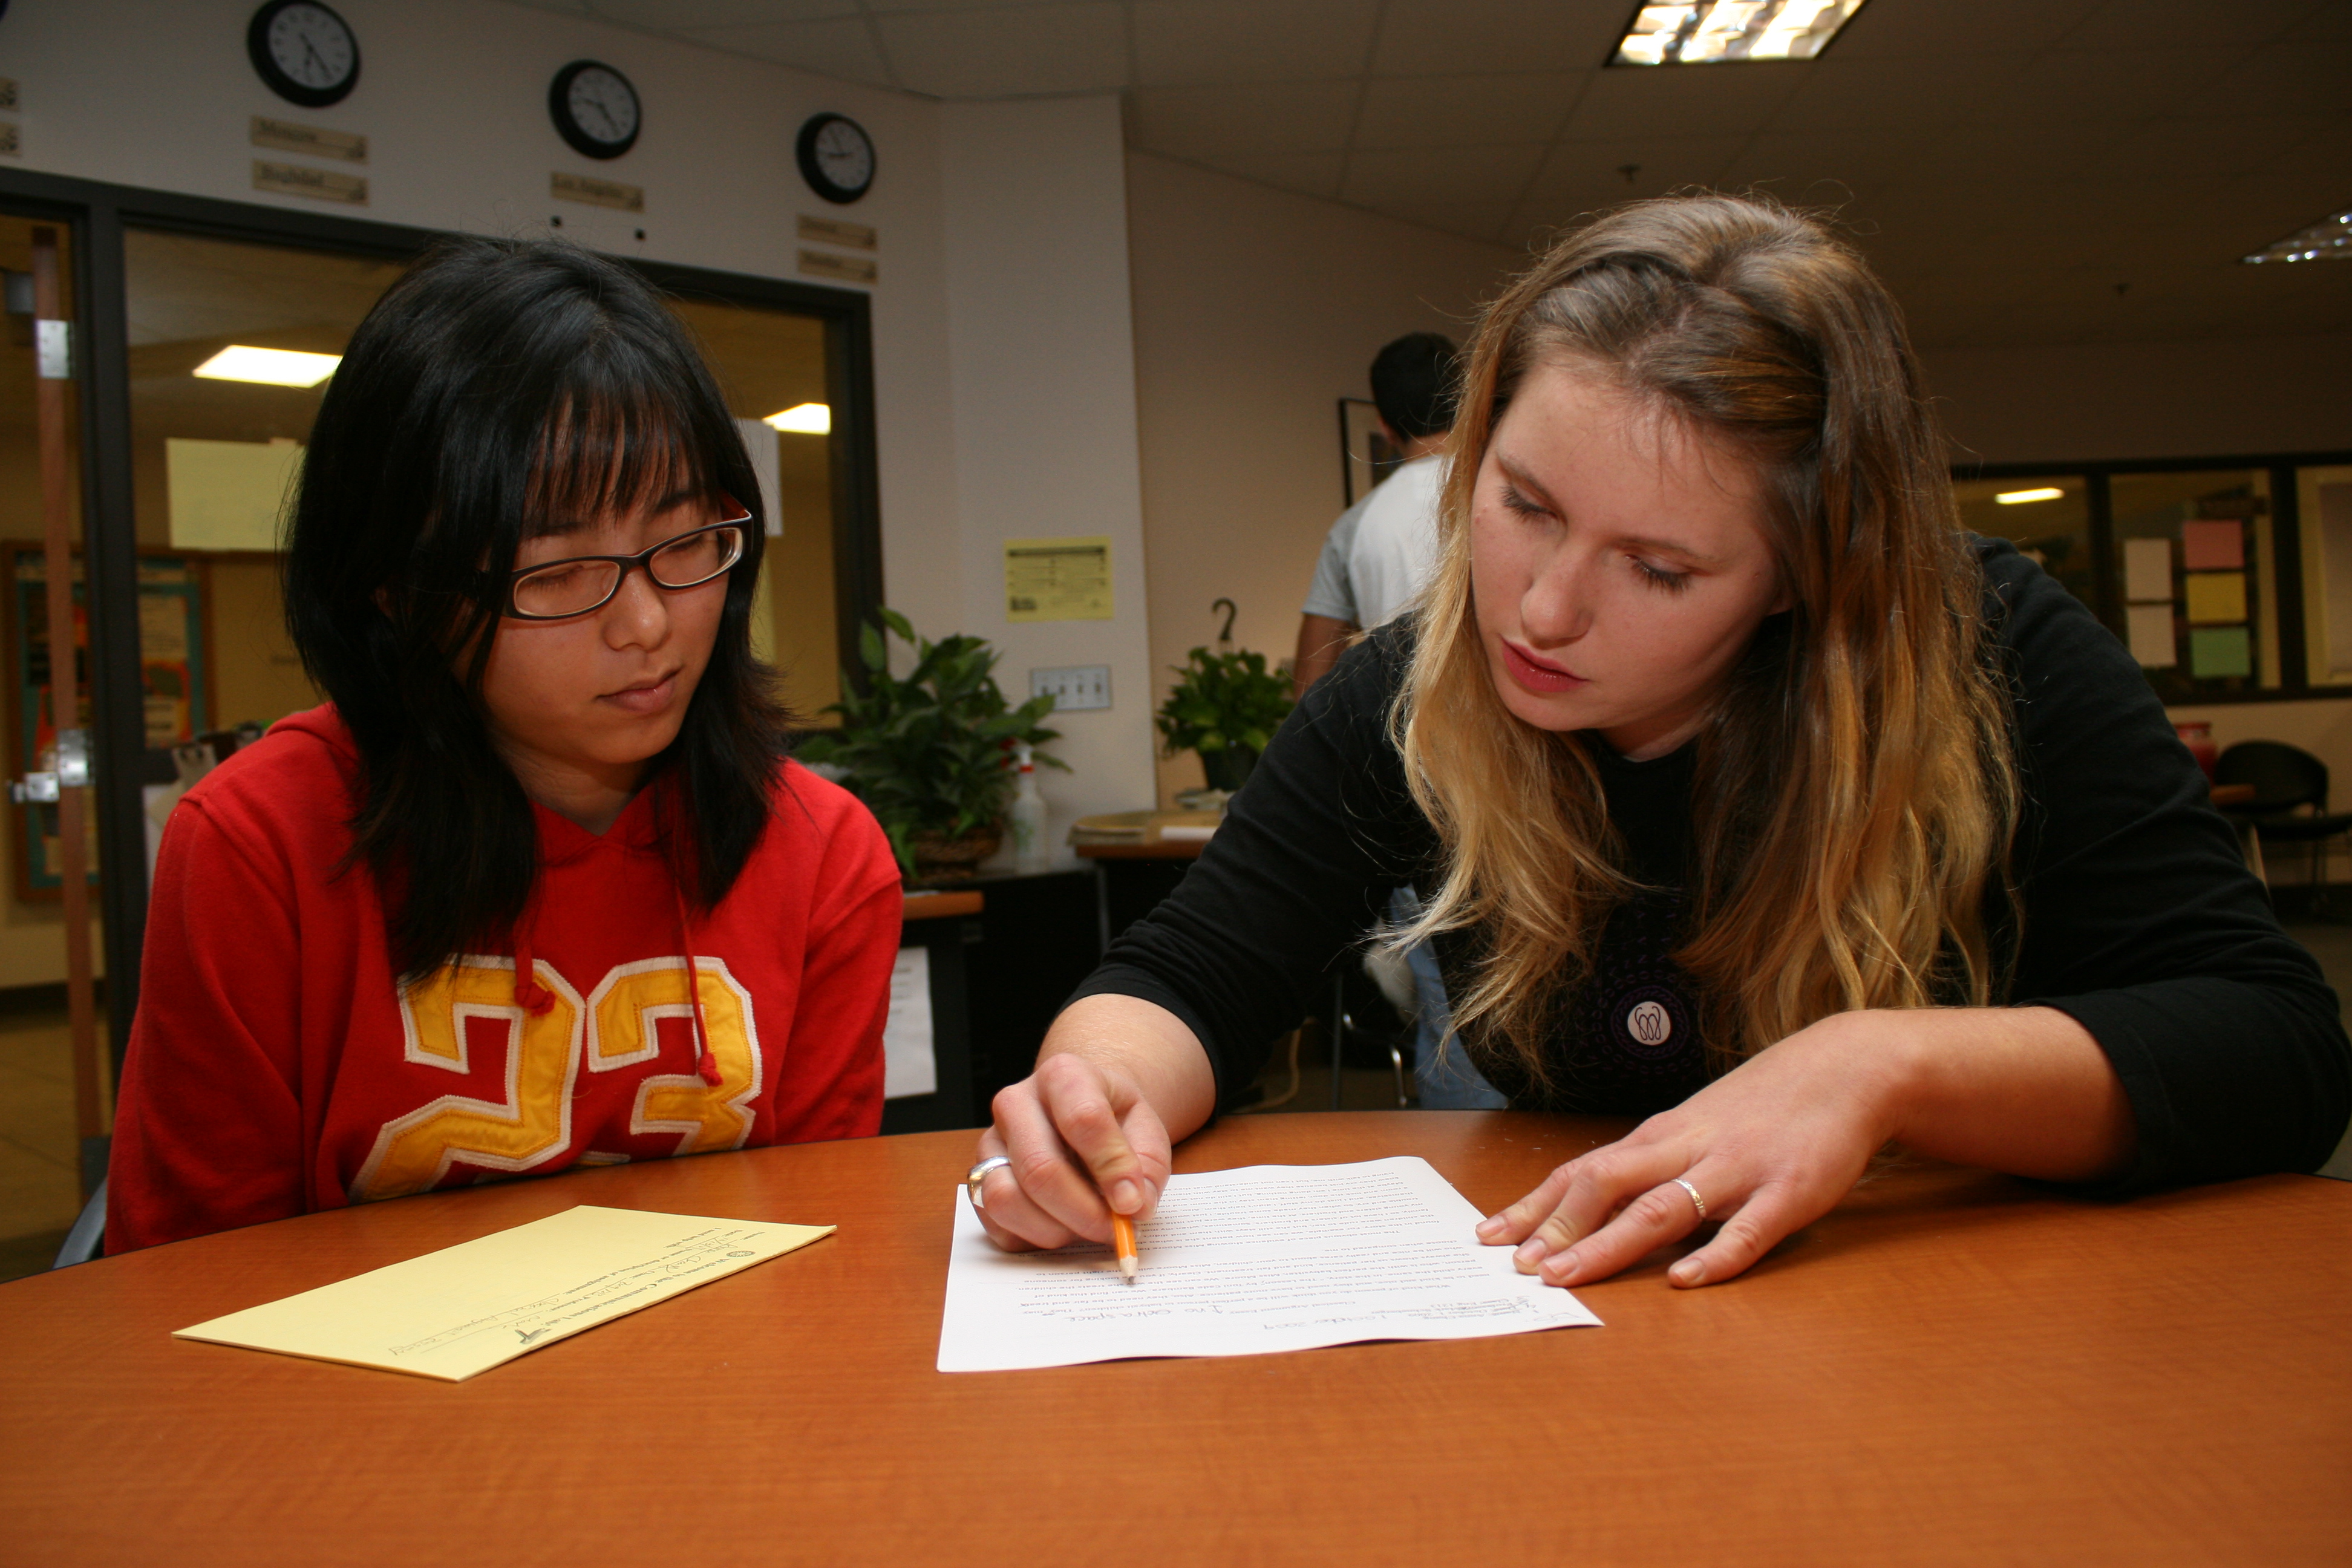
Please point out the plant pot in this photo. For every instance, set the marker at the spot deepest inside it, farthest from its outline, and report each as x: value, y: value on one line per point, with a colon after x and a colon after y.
x: 1228, y: 768
x: 939, y: 859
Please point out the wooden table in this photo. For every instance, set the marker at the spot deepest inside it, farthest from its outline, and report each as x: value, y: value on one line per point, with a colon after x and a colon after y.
x: 1953, y: 1368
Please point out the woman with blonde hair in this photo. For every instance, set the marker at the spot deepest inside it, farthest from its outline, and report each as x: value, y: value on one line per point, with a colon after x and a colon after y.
x: 1745, y: 792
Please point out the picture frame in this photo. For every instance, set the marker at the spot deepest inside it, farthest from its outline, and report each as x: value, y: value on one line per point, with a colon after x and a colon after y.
x: 1366, y: 454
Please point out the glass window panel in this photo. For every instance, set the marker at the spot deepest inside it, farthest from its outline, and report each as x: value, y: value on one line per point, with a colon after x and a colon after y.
x: 2323, y: 508
x: 769, y: 362
x: 2203, y: 537
x: 212, y: 457
x: 40, y: 1188
x: 2052, y: 529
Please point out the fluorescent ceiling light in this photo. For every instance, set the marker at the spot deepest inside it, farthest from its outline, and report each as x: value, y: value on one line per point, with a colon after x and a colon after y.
x: 1715, y: 31
x: 2329, y: 239
x: 2019, y: 497
x: 804, y: 419
x: 272, y: 367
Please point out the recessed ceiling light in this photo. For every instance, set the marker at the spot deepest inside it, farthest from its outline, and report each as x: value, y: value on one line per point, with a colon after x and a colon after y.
x: 2019, y: 497
x: 804, y: 419
x: 1715, y: 31
x: 271, y: 367
x: 2329, y: 239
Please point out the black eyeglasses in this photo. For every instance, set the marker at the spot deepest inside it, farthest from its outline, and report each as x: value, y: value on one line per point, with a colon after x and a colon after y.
x: 561, y: 589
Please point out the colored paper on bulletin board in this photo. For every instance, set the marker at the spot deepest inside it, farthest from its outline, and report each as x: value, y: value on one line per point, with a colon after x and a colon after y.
x: 2147, y: 568
x: 2150, y: 629
x: 2216, y: 596
x: 2219, y: 651
x: 1057, y: 579
x: 2213, y: 546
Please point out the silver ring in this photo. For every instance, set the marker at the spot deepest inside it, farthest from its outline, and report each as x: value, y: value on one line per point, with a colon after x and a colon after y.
x: 979, y: 1174
x: 1698, y: 1201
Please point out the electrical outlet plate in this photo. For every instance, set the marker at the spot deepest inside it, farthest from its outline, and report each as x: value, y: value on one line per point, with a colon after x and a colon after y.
x: 1074, y: 688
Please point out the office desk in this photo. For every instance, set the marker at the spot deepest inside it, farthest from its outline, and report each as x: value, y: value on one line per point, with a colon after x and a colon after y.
x: 1953, y: 1367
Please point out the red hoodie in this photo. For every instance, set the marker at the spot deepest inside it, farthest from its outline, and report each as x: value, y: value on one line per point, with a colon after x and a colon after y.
x: 277, y: 1068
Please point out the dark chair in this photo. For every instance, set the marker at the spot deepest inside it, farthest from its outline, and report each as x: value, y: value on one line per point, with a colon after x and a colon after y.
x: 2290, y: 804
x: 87, y: 1239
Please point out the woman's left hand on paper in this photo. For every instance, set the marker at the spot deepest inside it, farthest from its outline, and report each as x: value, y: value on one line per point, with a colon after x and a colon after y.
x: 1772, y: 1146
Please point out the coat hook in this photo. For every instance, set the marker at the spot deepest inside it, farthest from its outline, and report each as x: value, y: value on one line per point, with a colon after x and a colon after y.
x: 1225, y: 635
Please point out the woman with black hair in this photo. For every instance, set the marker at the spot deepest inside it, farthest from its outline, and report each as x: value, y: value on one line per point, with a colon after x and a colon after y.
x: 536, y: 888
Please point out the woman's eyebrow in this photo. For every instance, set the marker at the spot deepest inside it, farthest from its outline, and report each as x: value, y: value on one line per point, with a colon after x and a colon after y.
x: 1520, y: 476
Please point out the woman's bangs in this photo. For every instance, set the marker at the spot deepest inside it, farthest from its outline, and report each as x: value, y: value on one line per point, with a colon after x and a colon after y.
x: 605, y: 455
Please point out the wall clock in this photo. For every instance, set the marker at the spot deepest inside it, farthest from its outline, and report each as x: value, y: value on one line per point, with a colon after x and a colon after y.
x: 594, y: 108
x: 837, y: 157
x: 306, y: 53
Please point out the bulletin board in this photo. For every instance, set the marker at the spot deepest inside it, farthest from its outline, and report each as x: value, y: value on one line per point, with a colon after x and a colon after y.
x: 176, y: 669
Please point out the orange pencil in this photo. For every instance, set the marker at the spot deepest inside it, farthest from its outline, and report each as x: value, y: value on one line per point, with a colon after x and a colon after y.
x: 1122, y: 1236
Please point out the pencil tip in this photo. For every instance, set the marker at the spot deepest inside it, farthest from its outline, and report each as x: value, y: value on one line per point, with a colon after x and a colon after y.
x: 1127, y: 1269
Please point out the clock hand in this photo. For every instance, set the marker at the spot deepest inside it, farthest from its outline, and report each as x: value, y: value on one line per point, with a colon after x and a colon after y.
x: 313, y: 53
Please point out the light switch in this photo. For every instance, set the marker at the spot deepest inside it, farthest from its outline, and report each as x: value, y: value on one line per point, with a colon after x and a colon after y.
x: 1074, y: 688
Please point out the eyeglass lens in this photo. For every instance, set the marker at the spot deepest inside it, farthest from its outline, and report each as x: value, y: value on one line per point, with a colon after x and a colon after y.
x: 575, y: 587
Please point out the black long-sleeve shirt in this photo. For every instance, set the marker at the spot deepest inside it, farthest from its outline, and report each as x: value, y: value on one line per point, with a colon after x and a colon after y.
x: 2140, y: 917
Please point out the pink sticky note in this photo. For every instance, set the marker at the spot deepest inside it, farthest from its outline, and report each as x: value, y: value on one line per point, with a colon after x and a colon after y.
x: 2218, y: 546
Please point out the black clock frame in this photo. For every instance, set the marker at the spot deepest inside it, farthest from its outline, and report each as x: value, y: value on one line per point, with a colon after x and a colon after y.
x: 804, y: 150
x: 257, y: 48
x: 558, y: 109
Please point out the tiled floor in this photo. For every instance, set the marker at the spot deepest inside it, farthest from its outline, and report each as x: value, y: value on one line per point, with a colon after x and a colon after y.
x: 39, y: 1192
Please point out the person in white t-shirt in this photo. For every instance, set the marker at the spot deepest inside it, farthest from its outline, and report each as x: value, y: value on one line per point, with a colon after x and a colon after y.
x: 1374, y: 561
x: 1380, y: 551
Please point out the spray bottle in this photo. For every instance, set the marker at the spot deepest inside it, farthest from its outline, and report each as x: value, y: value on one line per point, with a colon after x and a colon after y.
x: 1029, y: 851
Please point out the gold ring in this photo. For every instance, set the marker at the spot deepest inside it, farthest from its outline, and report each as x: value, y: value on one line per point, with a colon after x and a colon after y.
x: 1698, y: 1201
x: 979, y: 1174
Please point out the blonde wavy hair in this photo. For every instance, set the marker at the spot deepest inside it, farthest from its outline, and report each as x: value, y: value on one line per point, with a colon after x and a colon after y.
x: 1855, y: 791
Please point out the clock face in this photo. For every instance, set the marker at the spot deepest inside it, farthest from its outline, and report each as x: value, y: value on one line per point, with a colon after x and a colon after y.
x: 595, y: 109
x: 304, y: 51
x: 837, y: 157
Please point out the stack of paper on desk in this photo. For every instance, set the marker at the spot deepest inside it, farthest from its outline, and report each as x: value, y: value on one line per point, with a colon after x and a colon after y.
x: 464, y: 1309
x: 1269, y: 1257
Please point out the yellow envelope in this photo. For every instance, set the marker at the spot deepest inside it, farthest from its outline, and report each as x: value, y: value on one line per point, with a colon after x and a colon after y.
x: 465, y: 1309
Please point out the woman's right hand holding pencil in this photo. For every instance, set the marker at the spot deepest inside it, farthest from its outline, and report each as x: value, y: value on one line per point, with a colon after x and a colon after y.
x: 1091, y: 1131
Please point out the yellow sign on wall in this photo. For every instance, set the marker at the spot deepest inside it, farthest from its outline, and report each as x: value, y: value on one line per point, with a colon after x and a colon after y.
x: 1057, y: 579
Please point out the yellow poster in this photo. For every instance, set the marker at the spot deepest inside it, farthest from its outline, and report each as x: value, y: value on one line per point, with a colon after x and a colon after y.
x: 1057, y: 579
x: 2216, y: 596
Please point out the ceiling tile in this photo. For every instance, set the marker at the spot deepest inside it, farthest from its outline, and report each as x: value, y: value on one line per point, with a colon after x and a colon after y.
x: 2283, y: 79
x: 1470, y: 220
x: 1883, y: 29
x: 567, y: 8
x: 1579, y: 177
x: 2014, y: 151
x: 1308, y: 173
x: 1452, y: 176
x: 2137, y: 24
x: 1462, y: 111
x: 1689, y: 100
x: 1030, y: 50
x: 1892, y: 94
x: 684, y: 16
x: 1183, y: 43
x: 1212, y: 123
x: 2114, y: 87
x: 2198, y: 148
x: 1819, y: 170
x: 1468, y: 37
x: 843, y: 48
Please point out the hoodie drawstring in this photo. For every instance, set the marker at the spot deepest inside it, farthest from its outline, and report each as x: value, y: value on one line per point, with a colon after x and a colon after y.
x: 705, y: 1063
x: 529, y: 994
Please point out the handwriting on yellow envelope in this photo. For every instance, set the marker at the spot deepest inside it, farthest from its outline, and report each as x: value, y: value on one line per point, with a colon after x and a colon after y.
x: 465, y: 1309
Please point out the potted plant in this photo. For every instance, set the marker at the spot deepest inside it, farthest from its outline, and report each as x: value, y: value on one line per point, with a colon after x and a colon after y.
x: 931, y: 754
x: 1225, y: 706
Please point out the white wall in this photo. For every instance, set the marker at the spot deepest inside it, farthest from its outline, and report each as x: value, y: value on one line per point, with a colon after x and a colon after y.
x: 1041, y: 341
x: 1255, y: 310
